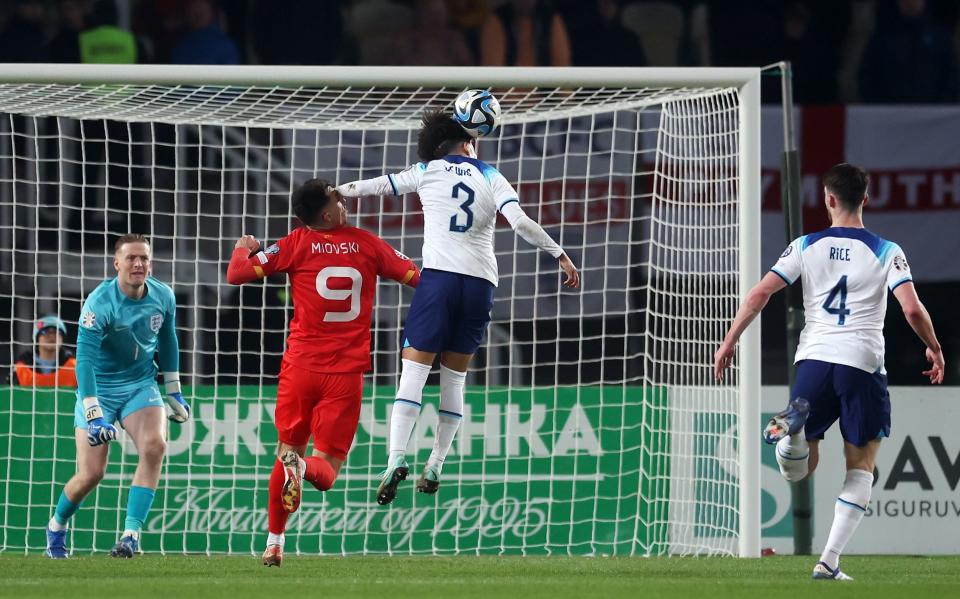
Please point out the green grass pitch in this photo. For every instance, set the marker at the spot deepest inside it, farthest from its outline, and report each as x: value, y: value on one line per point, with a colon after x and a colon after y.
x: 465, y: 576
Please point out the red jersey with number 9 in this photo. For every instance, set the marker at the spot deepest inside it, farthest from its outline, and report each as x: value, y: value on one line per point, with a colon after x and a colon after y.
x: 333, y: 277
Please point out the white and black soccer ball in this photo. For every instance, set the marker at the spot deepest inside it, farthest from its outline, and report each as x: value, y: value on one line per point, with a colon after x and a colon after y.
x: 477, y: 111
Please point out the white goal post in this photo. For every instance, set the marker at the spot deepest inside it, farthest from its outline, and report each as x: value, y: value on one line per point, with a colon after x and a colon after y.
x: 593, y: 424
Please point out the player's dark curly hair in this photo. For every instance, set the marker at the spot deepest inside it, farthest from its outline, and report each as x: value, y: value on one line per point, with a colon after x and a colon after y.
x: 847, y: 182
x: 439, y: 134
x: 310, y: 199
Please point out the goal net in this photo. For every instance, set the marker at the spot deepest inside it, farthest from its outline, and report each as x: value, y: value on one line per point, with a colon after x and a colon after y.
x: 592, y: 424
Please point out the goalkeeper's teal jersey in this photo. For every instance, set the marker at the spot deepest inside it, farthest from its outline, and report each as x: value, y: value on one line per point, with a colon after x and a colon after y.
x: 119, y: 336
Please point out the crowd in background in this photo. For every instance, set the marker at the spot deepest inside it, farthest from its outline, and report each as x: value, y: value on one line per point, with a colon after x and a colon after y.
x: 903, y: 51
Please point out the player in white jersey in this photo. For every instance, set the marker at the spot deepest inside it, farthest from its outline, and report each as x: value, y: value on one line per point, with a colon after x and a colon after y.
x: 846, y: 273
x: 450, y: 310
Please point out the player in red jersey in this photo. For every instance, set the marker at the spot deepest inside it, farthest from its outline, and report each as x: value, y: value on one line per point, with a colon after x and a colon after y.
x: 333, y: 271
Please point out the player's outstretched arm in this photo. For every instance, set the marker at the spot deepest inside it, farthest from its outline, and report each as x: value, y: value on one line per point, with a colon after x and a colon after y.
x: 754, y: 303
x: 242, y: 269
x: 378, y: 186
x: 533, y: 233
x: 921, y: 323
x: 396, y: 184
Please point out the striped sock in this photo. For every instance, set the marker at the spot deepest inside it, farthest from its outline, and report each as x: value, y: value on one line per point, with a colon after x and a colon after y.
x: 406, y: 408
x: 847, y: 514
x: 451, y: 413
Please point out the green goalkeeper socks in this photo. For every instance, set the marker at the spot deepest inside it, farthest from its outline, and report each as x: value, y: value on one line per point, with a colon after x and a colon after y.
x: 138, y: 506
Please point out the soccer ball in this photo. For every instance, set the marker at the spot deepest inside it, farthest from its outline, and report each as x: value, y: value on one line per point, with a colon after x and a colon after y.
x: 477, y: 111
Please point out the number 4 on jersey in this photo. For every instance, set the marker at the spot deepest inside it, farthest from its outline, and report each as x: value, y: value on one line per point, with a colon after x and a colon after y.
x: 841, y: 310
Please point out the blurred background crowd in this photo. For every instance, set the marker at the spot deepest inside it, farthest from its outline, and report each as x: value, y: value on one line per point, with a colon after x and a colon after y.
x: 869, y: 51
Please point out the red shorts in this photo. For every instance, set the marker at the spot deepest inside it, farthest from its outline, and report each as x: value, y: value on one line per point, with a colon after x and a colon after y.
x: 324, y: 405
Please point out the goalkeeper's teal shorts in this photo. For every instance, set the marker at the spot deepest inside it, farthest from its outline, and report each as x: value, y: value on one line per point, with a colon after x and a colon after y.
x: 117, y: 405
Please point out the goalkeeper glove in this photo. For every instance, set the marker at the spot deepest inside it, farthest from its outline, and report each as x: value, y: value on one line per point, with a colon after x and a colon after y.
x: 179, y: 408
x: 99, y: 431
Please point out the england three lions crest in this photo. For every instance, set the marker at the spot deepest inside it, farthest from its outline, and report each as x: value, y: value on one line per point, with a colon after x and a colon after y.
x: 156, y: 321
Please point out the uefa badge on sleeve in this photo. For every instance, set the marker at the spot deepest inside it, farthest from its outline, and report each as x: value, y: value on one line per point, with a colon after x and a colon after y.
x: 88, y: 320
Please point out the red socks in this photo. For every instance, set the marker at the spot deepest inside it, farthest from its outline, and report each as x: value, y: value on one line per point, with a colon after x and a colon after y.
x: 319, y: 473
x: 276, y: 515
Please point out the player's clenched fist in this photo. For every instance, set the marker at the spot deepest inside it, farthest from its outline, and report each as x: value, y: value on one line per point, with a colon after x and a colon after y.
x: 248, y: 242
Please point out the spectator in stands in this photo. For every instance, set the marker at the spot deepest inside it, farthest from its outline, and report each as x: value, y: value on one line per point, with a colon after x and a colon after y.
x: 48, y: 364
x: 432, y: 40
x: 745, y: 32
x: 159, y: 23
x: 204, y: 42
x: 65, y: 45
x: 295, y: 23
x: 23, y: 39
x: 525, y: 33
x: 469, y: 17
x: 813, y: 56
x: 598, y: 38
x: 104, y: 42
x: 910, y: 59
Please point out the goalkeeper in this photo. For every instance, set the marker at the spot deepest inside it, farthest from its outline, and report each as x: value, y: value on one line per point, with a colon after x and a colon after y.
x: 124, y: 322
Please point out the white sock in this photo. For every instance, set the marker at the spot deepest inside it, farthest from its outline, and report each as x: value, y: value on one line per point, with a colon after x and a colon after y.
x: 406, y: 408
x: 273, y: 539
x: 793, y: 456
x: 451, y: 413
x: 847, y: 514
x: 131, y: 533
x: 56, y: 526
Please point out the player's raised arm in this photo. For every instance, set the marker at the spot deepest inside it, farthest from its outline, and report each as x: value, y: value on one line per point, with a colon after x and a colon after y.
x: 921, y: 323
x: 249, y: 262
x: 393, y: 184
x: 244, y: 264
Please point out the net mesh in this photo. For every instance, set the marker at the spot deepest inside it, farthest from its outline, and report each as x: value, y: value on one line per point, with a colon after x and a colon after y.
x: 592, y: 424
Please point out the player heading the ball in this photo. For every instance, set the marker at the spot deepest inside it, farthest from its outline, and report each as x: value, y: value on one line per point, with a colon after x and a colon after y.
x: 333, y: 270
x: 846, y: 272
x: 125, y: 321
x: 451, y: 308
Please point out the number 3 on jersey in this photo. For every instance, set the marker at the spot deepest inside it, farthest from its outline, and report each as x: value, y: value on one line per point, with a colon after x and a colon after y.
x: 841, y: 310
x: 465, y: 206
x: 353, y: 294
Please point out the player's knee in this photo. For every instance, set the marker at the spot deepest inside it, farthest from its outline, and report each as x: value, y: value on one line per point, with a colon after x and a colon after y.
x: 153, y: 448
x: 90, y: 477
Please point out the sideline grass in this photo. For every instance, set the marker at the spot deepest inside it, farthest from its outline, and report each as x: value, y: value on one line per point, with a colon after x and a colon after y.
x: 455, y: 577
